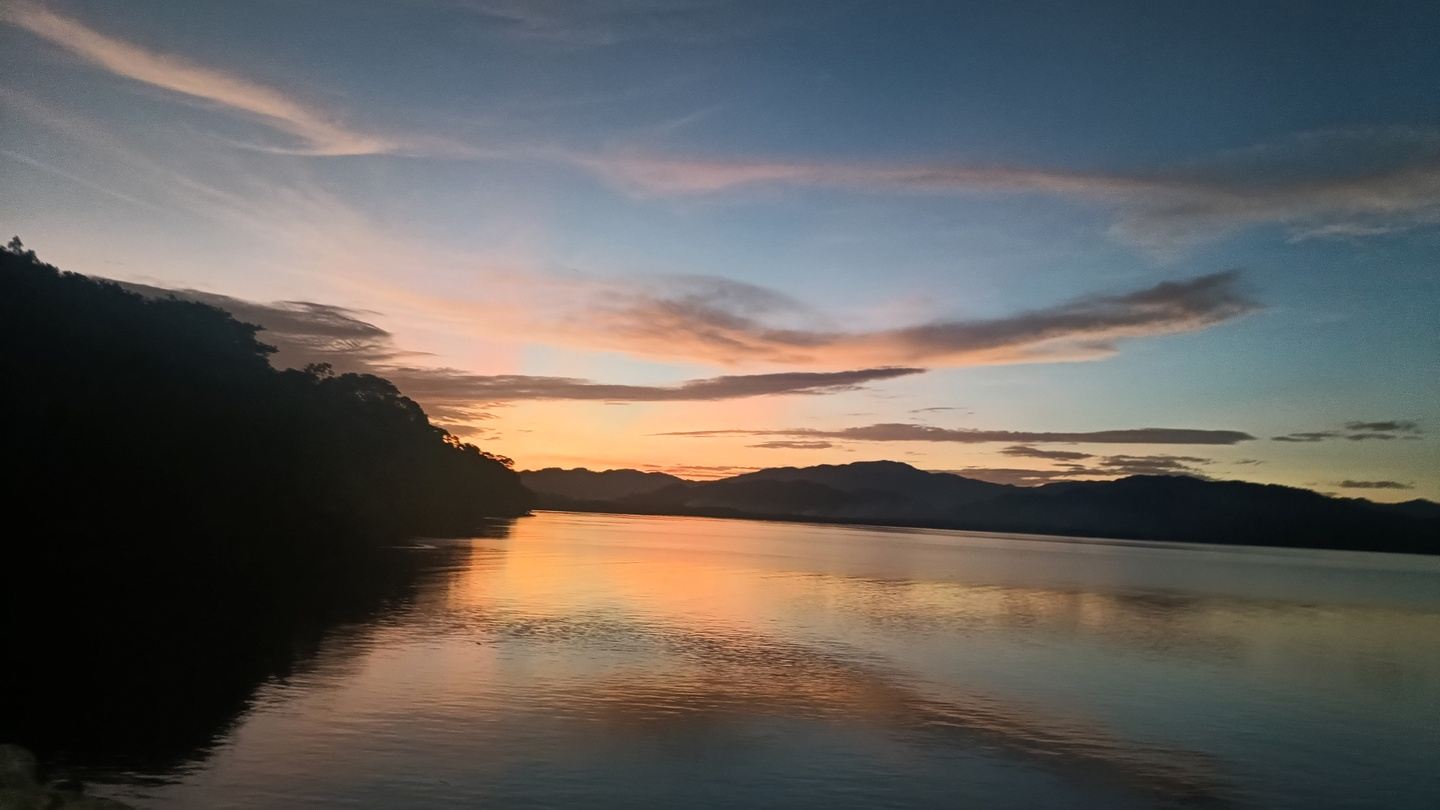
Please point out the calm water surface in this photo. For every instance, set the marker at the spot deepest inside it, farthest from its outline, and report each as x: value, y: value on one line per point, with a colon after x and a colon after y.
x: 602, y: 660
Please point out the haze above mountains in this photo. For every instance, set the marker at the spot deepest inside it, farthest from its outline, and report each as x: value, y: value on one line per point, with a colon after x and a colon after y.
x: 1143, y: 507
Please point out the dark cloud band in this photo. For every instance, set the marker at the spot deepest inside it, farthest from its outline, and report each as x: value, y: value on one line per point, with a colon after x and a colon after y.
x: 1349, y: 484
x: 1359, y: 431
x: 449, y: 384
x: 901, y: 432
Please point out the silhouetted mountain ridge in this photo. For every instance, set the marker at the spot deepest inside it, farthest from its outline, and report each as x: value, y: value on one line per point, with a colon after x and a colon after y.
x: 1143, y: 507
x: 583, y: 484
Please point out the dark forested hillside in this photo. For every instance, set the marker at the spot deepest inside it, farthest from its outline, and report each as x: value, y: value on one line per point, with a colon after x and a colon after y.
x: 182, y: 519
x: 164, y: 416
x: 1149, y: 507
x: 587, y: 485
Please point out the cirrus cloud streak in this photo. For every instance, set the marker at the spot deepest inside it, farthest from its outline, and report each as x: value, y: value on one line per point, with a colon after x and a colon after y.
x: 1331, y: 184
x: 318, y: 134
x: 1345, y: 184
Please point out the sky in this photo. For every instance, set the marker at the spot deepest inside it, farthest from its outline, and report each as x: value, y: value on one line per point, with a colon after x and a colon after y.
x: 1022, y: 241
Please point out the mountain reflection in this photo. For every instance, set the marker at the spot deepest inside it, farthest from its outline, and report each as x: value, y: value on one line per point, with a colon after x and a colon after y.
x: 124, y: 681
x: 716, y: 678
x: 617, y: 661
x: 648, y: 673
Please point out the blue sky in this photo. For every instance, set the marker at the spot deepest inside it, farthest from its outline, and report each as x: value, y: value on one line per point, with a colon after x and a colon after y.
x: 1074, y: 218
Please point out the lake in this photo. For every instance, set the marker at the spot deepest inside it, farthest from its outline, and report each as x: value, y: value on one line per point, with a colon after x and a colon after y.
x: 625, y: 661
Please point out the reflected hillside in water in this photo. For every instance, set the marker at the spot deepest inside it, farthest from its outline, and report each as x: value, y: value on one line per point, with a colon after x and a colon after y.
x: 1150, y: 601
x: 623, y: 661
x: 146, y: 671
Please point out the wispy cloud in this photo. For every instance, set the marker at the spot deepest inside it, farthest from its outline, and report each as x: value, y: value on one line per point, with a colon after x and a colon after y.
x: 1150, y: 465
x: 1087, y: 467
x: 1311, y: 436
x: 791, y: 444
x: 704, y: 319
x: 659, y: 174
x: 1329, y: 184
x: 731, y: 323
x: 1346, y: 230
x: 1349, y: 484
x: 1359, y: 431
x: 1015, y: 476
x: 612, y: 22
x: 701, y: 318
x: 1387, y: 426
x: 1022, y: 451
x: 1350, y: 184
x: 306, y: 332
x: 901, y: 432
x: 441, y: 384
x: 78, y: 180
x: 698, y: 471
x: 314, y: 133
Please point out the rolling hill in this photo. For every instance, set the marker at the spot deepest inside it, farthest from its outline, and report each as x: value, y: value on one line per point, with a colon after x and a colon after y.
x: 1143, y: 507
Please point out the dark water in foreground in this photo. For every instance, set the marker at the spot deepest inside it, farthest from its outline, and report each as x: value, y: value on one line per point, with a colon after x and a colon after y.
x: 602, y: 660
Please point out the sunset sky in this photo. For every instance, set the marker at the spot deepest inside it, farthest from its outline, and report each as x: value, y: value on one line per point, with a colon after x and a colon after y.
x: 1021, y: 241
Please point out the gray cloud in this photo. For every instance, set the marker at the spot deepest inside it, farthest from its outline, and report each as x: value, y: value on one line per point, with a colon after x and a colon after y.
x: 782, y: 444
x: 732, y: 322
x: 442, y: 383
x: 698, y: 471
x: 1022, y: 451
x: 901, y: 432
x: 1151, y: 465
x: 1086, y: 326
x: 1014, y: 476
x: 1359, y: 431
x: 1084, y: 466
x: 1349, y: 484
x: 1389, y: 426
x: 1318, y: 436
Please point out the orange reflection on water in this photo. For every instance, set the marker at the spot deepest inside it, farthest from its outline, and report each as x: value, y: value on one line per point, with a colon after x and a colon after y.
x: 577, y: 640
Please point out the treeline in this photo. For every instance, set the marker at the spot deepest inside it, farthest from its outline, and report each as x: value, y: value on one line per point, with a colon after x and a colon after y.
x: 164, y: 417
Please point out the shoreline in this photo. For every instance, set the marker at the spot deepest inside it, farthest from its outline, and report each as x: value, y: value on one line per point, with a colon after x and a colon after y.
x: 1130, y: 542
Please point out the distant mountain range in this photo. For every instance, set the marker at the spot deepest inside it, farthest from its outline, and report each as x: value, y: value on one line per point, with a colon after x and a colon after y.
x: 1142, y: 507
